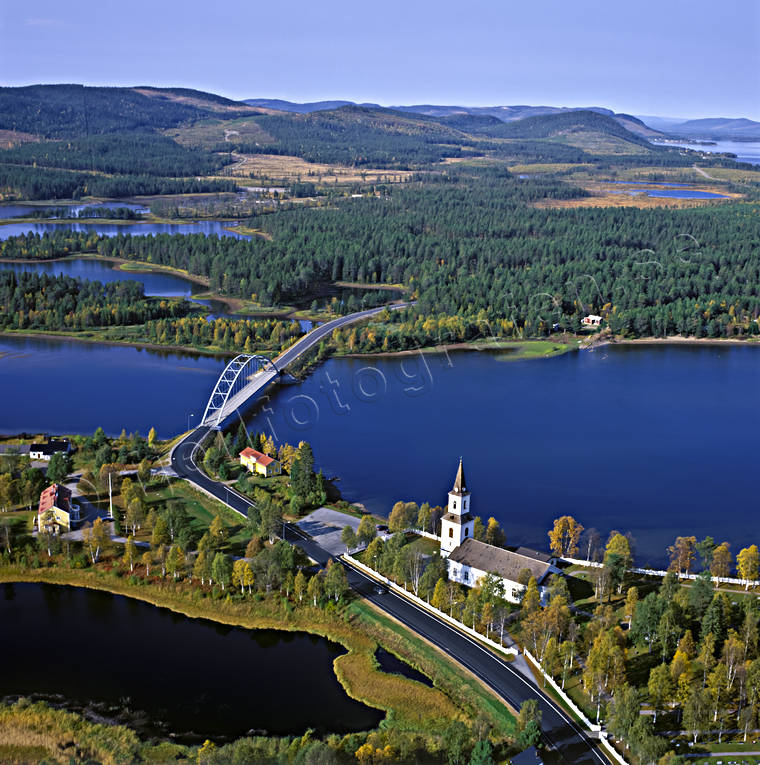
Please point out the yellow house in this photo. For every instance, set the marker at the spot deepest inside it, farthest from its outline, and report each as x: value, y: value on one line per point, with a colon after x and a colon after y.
x: 56, y: 512
x: 260, y: 463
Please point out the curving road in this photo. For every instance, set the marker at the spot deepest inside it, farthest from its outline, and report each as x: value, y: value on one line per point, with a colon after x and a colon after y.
x: 569, y: 742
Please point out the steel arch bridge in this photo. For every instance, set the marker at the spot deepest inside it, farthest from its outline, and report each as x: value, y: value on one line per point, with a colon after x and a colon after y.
x: 234, y: 379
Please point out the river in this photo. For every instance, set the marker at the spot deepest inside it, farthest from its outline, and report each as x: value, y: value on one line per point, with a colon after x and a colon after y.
x: 164, y: 673
x: 656, y: 440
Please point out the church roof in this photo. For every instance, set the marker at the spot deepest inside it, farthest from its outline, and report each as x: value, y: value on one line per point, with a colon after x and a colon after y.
x: 505, y: 563
x: 460, y: 485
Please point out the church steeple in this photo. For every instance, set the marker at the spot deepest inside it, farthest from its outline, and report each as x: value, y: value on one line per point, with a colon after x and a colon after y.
x: 460, y: 485
x: 457, y: 525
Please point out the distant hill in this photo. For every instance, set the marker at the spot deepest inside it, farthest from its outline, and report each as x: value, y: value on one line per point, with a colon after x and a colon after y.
x: 501, y: 113
x: 719, y: 127
x: 715, y: 128
x: 65, y: 111
x: 291, y: 106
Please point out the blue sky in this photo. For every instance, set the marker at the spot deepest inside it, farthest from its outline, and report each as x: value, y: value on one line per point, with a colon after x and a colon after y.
x: 668, y: 58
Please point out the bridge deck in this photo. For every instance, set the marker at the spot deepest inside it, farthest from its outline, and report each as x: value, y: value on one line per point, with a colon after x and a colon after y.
x: 260, y: 380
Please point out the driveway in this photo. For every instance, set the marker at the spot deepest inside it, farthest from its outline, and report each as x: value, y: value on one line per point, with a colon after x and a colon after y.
x: 325, y: 527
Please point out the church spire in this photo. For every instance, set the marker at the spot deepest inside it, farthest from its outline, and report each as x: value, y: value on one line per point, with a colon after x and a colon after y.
x: 460, y: 485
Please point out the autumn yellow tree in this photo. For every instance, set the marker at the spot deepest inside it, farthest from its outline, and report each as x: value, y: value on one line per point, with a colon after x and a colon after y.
x: 747, y: 563
x: 682, y: 554
x: 563, y: 538
x: 620, y: 546
x: 721, y: 561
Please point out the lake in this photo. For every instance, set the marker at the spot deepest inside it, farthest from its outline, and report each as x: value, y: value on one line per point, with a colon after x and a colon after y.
x: 746, y: 151
x: 76, y: 209
x: 166, y: 673
x: 658, y: 440
x: 208, y: 227
x: 97, y: 269
x: 680, y: 193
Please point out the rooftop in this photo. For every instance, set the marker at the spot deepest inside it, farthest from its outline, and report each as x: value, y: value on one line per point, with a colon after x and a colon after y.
x: 505, y: 563
x: 460, y: 485
x: 55, y: 496
x: 454, y: 518
x: 51, y: 447
x: 535, y: 554
x: 259, y: 457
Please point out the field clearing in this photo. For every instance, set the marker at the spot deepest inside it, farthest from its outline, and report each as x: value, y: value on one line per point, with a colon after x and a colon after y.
x: 548, y: 167
x: 287, y: 168
x: 599, y: 143
x: 609, y: 195
x: 11, y: 138
x: 732, y: 174
x: 211, y: 133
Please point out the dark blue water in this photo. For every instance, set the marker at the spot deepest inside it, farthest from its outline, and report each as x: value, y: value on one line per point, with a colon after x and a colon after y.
x: 658, y: 440
x: 156, y: 283
x: 64, y: 386
x: 174, y: 674
x: 679, y: 193
x: 209, y: 227
x: 78, y: 210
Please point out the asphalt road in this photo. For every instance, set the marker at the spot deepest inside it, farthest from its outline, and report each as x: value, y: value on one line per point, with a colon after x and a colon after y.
x: 568, y: 740
x: 571, y: 745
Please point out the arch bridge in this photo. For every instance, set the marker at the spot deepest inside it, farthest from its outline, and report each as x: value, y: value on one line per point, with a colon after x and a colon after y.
x: 244, y: 376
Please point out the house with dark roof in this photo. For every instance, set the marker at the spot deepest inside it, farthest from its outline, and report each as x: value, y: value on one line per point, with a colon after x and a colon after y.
x: 46, y: 450
x: 56, y: 512
x: 529, y: 757
x: 260, y: 463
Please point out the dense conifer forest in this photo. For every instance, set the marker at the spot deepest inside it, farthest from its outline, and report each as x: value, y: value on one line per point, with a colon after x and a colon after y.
x: 40, y: 301
x: 471, y: 244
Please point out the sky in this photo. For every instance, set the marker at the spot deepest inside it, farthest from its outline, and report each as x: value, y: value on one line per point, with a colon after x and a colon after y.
x: 672, y: 58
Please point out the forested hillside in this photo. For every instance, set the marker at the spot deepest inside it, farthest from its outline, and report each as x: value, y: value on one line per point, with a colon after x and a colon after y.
x: 43, y: 183
x: 64, y: 111
x: 354, y: 135
x: 133, y: 153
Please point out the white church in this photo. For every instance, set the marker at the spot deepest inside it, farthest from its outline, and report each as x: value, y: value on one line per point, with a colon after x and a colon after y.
x: 470, y: 560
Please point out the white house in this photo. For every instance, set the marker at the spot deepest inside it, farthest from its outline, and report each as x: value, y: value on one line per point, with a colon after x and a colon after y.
x: 592, y: 320
x: 46, y: 450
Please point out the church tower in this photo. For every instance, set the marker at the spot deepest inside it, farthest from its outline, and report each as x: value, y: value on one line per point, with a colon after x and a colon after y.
x: 458, y: 524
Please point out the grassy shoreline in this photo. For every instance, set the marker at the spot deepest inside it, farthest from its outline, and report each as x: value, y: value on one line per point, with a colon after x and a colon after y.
x: 359, y: 631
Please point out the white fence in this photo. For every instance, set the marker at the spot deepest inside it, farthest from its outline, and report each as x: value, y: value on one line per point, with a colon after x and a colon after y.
x: 593, y: 727
x: 423, y: 604
x: 425, y: 534
x: 747, y: 583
